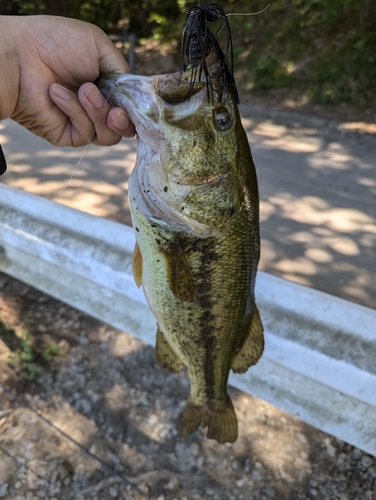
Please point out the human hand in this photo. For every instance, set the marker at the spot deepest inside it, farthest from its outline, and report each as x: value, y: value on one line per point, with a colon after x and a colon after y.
x: 56, y: 59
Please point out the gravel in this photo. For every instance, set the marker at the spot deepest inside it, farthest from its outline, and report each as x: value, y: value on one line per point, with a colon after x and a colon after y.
x: 108, y: 393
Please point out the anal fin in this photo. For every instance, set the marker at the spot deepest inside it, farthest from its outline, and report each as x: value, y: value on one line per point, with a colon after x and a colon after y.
x: 222, y: 424
x: 137, y: 265
x: 165, y: 355
x: 253, y: 345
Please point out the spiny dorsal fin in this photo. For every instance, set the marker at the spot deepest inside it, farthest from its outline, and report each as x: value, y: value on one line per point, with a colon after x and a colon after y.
x: 137, y: 265
x: 253, y: 345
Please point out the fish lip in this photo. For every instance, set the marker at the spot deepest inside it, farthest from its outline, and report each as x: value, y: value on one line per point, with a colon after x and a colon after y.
x: 136, y: 95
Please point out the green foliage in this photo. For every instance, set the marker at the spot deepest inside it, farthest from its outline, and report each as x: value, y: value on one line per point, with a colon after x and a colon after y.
x: 325, y: 48
x: 28, y: 361
x: 52, y: 350
x: 270, y: 73
x: 24, y: 359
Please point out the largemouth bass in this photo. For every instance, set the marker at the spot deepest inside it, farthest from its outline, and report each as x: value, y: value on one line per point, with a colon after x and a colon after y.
x: 195, y: 210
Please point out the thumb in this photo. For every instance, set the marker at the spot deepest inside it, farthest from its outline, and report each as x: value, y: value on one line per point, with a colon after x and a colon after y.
x: 110, y: 58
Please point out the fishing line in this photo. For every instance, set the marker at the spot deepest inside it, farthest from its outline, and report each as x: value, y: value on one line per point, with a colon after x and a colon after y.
x: 103, y: 464
x: 251, y: 14
x: 6, y: 452
x: 242, y: 14
x: 81, y: 158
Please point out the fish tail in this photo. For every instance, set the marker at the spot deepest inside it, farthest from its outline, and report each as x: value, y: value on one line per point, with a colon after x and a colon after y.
x: 222, y: 423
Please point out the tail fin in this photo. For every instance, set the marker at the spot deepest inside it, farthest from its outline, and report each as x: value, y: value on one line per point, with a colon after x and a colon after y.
x: 222, y: 424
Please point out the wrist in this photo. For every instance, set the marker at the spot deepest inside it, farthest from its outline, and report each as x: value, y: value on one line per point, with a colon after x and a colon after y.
x: 10, y: 71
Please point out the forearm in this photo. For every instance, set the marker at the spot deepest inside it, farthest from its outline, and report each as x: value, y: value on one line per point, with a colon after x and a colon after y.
x: 9, y: 67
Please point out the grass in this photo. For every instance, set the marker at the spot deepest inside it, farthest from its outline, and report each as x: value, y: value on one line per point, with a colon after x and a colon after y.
x: 29, y: 362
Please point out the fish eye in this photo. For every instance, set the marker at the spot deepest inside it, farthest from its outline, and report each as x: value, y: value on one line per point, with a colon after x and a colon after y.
x: 222, y: 118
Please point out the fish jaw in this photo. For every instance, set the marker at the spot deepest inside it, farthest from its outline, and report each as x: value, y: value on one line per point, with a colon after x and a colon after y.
x: 157, y: 105
x: 136, y: 94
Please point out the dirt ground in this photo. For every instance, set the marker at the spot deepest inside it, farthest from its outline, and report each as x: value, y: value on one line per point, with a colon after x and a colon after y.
x: 88, y: 413
x: 106, y: 391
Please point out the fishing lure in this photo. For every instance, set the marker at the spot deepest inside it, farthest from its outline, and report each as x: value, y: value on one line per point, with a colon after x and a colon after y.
x: 3, y: 163
x: 198, y: 41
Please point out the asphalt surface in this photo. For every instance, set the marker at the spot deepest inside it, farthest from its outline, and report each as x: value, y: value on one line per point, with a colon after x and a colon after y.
x: 317, y: 183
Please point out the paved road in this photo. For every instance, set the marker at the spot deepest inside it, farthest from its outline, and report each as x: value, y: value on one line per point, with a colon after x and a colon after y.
x: 317, y: 187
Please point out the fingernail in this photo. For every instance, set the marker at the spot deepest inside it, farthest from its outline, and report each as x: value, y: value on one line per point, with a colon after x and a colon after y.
x: 94, y: 97
x: 122, y: 122
x: 61, y: 92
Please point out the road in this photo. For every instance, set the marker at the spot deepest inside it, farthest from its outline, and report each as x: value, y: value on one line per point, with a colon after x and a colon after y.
x: 317, y: 183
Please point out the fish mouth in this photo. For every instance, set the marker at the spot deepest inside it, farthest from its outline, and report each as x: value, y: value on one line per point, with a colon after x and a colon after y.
x: 136, y: 94
x: 149, y: 102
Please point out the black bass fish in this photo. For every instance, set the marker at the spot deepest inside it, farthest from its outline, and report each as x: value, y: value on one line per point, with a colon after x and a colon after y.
x: 195, y: 210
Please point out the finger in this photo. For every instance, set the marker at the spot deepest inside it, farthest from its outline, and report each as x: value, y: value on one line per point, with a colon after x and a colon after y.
x: 77, y: 129
x: 119, y: 122
x: 97, y: 109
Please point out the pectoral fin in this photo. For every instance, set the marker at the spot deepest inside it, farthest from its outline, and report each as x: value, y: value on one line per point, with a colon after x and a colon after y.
x: 253, y: 345
x: 165, y: 355
x: 180, y: 276
x: 137, y: 265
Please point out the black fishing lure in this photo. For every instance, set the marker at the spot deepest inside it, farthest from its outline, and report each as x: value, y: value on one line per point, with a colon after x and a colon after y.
x: 3, y: 163
x: 198, y: 41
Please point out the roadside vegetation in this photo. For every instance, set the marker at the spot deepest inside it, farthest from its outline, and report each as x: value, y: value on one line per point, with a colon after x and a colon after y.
x: 27, y: 359
x: 324, y: 51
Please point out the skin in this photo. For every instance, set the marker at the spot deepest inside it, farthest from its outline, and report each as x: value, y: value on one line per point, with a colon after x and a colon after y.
x: 48, y: 65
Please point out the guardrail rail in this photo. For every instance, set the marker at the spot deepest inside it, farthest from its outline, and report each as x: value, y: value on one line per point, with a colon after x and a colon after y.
x: 320, y: 358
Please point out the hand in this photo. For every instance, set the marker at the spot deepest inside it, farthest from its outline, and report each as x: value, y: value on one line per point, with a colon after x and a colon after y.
x: 56, y: 59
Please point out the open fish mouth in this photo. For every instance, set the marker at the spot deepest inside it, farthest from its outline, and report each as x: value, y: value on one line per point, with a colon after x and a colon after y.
x: 159, y: 106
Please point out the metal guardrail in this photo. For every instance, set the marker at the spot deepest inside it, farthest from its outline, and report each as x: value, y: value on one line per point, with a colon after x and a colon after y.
x: 320, y: 357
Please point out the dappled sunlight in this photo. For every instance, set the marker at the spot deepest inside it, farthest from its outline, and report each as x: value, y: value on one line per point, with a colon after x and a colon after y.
x: 266, y: 210
x: 74, y: 423
x: 103, y: 187
x: 312, y: 242
x: 3, y: 138
x: 366, y: 181
x: 280, y: 445
x: 269, y: 129
x: 124, y: 346
x: 300, y: 265
x: 288, y: 143
x: 370, y: 128
x: 32, y: 185
x: 22, y: 169
x: 318, y: 255
x: 92, y: 203
x: 317, y: 199
x: 62, y: 171
x: 92, y: 179
x: 356, y: 292
x: 317, y: 211
x: 126, y: 163
x: 342, y: 245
